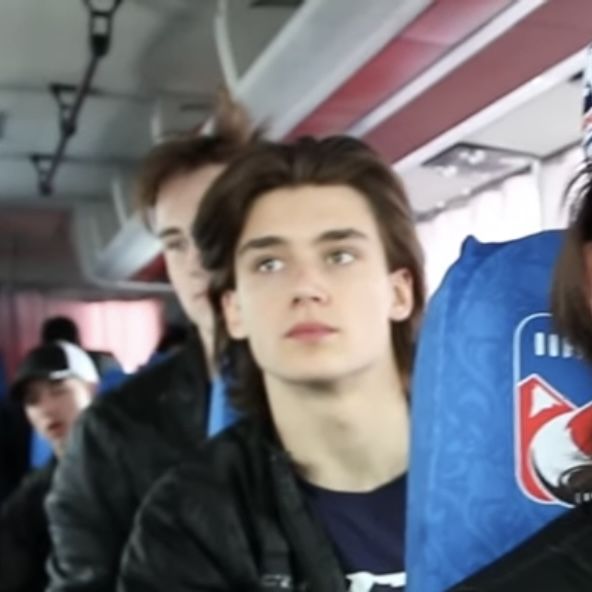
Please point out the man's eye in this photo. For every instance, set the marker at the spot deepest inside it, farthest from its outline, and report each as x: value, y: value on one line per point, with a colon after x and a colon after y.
x: 269, y: 265
x: 175, y: 245
x: 341, y: 258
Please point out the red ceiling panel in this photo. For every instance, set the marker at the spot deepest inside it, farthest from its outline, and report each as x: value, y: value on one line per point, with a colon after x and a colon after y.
x: 399, y: 62
x: 574, y: 14
x: 370, y: 86
x: 524, y: 52
x: 448, y: 21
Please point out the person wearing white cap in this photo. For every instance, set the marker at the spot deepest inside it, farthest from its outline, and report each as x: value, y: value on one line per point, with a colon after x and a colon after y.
x: 54, y: 384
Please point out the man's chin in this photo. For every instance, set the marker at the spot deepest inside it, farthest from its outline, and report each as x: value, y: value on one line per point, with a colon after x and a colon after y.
x: 328, y: 376
x: 310, y: 380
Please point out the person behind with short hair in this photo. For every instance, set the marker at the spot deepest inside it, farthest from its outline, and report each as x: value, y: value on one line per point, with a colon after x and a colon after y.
x: 317, y: 288
x: 60, y: 329
x: 54, y: 384
x: 65, y: 329
x: 133, y: 434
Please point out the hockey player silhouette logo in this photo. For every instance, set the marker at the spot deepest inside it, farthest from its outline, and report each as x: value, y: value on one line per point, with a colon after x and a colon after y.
x: 553, y: 415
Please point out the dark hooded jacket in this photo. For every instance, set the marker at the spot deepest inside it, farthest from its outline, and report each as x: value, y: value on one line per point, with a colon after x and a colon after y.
x: 123, y: 443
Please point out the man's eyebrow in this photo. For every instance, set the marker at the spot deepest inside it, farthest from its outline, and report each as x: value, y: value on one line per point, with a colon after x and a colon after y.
x: 340, y: 234
x: 167, y: 232
x: 263, y: 242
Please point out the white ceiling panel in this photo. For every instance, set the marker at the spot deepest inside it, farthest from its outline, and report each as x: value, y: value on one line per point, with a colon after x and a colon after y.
x: 544, y: 125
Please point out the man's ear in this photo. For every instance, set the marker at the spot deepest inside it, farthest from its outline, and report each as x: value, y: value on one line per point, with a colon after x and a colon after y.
x: 402, y: 287
x: 232, y: 315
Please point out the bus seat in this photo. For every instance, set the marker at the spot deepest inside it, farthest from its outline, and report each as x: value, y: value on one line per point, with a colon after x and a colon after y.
x: 111, y: 379
x: 501, y: 413
x: 40, y: 451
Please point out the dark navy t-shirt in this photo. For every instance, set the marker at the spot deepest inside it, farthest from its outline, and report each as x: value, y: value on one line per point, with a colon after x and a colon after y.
x: 367, y: 531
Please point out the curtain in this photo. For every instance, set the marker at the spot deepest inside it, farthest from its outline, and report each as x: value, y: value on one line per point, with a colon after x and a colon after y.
x: 518, y: 206
x: 128, y: 329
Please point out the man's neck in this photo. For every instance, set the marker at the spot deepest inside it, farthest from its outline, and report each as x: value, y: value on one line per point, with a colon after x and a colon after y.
x: 206, y: 336
x: 58, y: 449
x: 351, y: 436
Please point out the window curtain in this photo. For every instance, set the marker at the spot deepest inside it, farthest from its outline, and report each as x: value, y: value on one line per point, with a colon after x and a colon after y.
x: 518, y: 206
x: 128, y: 329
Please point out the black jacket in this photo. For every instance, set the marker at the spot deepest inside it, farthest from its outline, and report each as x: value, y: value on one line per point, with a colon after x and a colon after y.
x: 24, y: 540
x: 15, y: 439
x: 556, y: 559
x: 233, y: 520
x: 123, y: 443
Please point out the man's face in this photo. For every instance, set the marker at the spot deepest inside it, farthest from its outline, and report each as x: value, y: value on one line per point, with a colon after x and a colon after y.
x: 52, y: 406
x: 174, y: 213
x: 313, y: 293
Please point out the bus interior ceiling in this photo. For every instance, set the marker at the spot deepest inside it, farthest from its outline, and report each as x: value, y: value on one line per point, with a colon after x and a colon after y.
x: 433, y: 85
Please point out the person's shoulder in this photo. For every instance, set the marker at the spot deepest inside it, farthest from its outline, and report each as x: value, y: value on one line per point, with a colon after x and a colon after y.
x: 141, y: 396
x: 31, y: 491
x: 200, y: 519
x: 116, y: 416
x: 224, y: 466
x: 149, y: 382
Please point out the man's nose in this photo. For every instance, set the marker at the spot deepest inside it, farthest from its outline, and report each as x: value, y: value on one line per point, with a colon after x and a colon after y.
x: 47, y: 405
x: 310, y: 286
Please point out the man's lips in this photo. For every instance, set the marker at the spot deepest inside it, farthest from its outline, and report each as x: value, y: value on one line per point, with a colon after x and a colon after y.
x: 310, y: 331
x: 56, y: 428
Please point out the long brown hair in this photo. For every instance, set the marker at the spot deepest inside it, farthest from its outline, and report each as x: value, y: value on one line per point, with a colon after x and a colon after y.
x: 231, y: 132
x: 571, y: 299
x: 269, y: 166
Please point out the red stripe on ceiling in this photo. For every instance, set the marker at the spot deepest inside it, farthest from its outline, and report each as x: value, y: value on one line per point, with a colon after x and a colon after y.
x: 547, y: 36
x: 428, y: 38
x: 449, y: 21
x: 370, y: 87
x: 573, y: 14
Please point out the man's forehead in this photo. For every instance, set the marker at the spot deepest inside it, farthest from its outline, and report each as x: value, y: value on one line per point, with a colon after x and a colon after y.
x: 175, y: 212
x: 185, y: 190
x: 317, y: 230
x: 316, y: 208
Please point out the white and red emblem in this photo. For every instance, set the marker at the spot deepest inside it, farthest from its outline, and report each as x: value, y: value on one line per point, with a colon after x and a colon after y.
x: 554, y: 443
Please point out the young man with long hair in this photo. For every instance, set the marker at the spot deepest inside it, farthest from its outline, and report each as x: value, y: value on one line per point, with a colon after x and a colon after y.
x: 131, y: 436
x: 317, y: 290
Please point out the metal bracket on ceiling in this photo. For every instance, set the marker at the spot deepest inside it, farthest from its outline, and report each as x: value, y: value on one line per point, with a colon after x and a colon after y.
x: 100, y: 24
x: 71, y: 98
x: 65, y: 96
x: 42, y: 164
